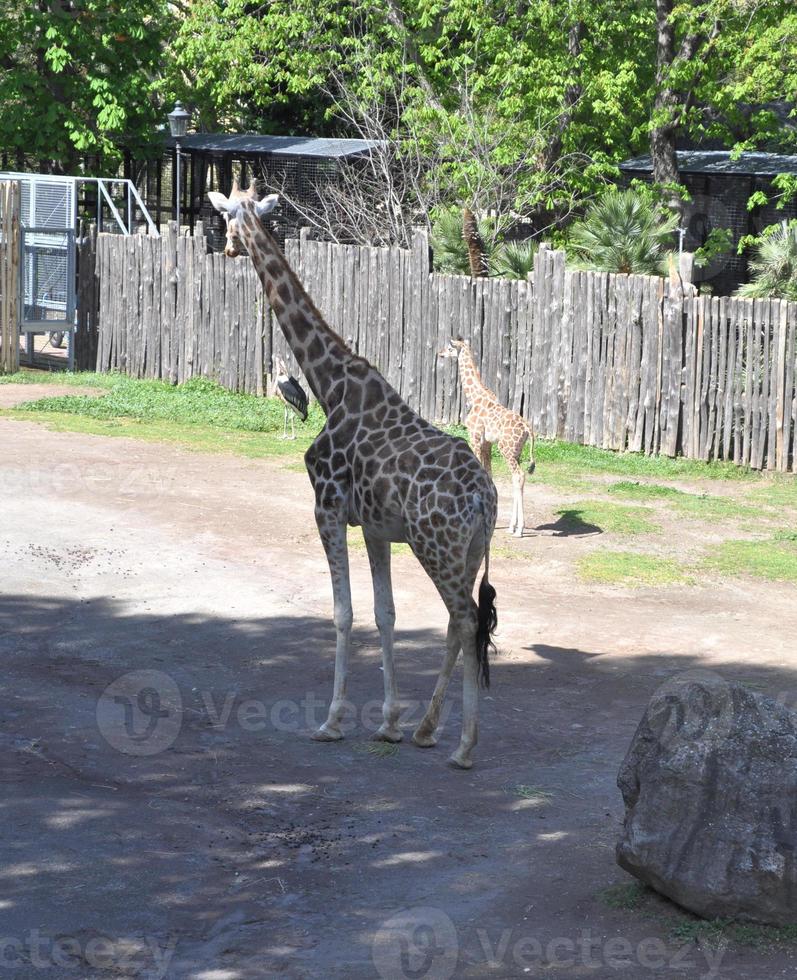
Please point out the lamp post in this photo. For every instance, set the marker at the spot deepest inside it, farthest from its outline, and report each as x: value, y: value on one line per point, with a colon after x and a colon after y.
x: 178, y: 124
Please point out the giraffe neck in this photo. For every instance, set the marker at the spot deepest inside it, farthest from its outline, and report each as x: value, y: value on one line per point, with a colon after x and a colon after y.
x: 320, y: 352
x: 472, y: 384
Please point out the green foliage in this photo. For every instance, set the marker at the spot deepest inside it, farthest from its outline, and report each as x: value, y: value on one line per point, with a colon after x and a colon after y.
x: 80, y: 78
x: 623, y: 232
x: 774, y: 265
x: 513, y: 260
x: 718, y: 243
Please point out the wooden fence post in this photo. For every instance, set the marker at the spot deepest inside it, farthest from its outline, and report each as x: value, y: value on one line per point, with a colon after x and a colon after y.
x: 9, y: 276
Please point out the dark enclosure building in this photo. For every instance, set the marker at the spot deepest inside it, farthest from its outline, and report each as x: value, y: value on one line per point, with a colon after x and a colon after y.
x: 300, y: 166
x: 720, y: 186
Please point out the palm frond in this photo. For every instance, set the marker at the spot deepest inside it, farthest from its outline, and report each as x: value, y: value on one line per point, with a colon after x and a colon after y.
x: 513, y: 260
x: 623, y: 232
x: 774, y: 266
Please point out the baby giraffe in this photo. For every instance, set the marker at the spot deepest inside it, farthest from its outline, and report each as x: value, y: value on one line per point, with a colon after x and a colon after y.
x: 376, y: 463
x: 489, y: 421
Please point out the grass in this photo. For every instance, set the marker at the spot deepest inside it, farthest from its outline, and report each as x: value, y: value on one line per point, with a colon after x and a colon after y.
x: 687, y: 928
x: 203, y: 416
x: 380, y: 750
x: 535, y: 794
x: 356, y: 542
x: 629, y: 568
x: 628, y: 897
x: 587, y: 515
x: 702, y: 506
x: 774, y: 558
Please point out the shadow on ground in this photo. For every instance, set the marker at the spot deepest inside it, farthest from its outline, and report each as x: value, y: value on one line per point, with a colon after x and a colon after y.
x: 163, y: 806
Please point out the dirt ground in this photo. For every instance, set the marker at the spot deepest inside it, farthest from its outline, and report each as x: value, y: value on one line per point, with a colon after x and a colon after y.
x: 167, y: 645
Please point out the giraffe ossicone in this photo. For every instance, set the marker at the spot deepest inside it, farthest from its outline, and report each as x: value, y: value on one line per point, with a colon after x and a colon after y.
x: 377, y: 464
x: 489, y: 422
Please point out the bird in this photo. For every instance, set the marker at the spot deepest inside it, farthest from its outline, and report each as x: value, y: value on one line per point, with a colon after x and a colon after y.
x: 292, y: 396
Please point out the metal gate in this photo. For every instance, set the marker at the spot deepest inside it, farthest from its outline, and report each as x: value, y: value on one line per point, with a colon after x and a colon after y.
x: 49, y: 218
x: 47, y: 259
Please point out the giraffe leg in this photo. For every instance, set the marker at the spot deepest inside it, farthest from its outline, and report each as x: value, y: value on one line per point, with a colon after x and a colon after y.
x: 516, y: 521
x: 385, y: 616
x: 332, y: 530
x: 457, y: 593
x: 520, y: 483
x: 460, y: 758
x: 424, y: 735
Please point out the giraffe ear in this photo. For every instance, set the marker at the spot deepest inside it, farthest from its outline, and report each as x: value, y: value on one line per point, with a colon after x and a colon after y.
x: 267, y: 205
x: 228, y: 207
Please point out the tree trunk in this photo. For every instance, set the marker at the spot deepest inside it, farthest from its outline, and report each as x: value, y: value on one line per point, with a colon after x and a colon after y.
x: 477, y: 257
x: 664, y: 130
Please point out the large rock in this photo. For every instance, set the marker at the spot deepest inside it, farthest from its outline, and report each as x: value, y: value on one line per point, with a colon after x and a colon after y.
x: 710, y: 789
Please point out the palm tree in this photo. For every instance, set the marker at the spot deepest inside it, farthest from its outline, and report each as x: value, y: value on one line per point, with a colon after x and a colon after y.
x: 774, y: 267
x: 513, y: 260
x: 449, y: 247
x: 623, y: 232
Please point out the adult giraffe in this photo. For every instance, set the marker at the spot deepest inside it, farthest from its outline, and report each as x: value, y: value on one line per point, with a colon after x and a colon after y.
x: 378, y: 464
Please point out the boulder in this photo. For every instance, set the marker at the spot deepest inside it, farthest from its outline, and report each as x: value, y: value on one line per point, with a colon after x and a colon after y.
x: 710, y: 791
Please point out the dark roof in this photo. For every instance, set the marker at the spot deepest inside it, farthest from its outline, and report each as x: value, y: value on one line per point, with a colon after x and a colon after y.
x: 254, y: 145
x: 720, y: 162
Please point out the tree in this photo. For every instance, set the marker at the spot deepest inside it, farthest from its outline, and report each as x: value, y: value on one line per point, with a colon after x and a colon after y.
x: 79, y: 78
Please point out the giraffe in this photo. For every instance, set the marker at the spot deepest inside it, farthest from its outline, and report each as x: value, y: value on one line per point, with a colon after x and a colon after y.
x: 489, y: 421
x: 378, y: 464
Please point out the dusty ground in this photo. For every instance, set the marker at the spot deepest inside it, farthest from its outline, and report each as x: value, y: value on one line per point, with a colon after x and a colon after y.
x: 166, y: 646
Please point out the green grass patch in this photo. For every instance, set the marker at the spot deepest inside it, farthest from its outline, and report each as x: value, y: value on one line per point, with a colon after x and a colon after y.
x: 536, y: 795
x: 629, y: 568
x: 774, y: 558
x: 379, y: 750
x: 683, y: 927
x: 780, y: 491
x: 587, y: 459
x: 77, y: 379
x: 643, y: 491
x: 716, y: 932
x: 702, y: 506
x: 356, y: 542
x: 197, y: 402
x: 628, y: 897
x: 586, y: 515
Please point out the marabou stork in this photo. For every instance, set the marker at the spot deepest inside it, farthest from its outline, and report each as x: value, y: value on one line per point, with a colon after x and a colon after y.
x: 292, y: 396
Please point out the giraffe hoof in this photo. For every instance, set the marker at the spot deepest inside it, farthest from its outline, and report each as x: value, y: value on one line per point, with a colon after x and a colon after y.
x: 384, y: 734
x: 460, y: 761
x: 324, y: 734
x: 424, y: 741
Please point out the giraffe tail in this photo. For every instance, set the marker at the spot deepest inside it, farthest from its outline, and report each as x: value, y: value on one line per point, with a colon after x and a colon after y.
x: 487, y: 615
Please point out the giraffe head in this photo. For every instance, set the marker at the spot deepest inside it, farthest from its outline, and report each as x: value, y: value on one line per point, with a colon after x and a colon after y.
x: 454, y: 348
x: 232, y: 208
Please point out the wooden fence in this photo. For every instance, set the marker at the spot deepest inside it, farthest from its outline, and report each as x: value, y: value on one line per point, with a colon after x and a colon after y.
x: 621, y: 362
x: 9, y: 276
